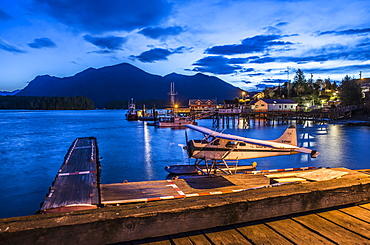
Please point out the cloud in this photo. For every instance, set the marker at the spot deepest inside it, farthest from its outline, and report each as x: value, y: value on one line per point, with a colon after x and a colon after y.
x: 254, y: 44
x: 216, y: 65
x: 7, y: 47
x: 158, y: 32
x: 43, y: 42
x: 100, y: 16
x: 101, y: 52
x: 256, y: 74
x: 242, y: 60
x: 221, y: 65
x: 338, y: 70
x: 275, y: 81
x: 158, y: 54
x: 110, y: 42
x: 346, y: 32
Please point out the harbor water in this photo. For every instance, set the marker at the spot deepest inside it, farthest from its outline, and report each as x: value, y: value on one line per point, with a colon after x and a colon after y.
x: 33, y: 145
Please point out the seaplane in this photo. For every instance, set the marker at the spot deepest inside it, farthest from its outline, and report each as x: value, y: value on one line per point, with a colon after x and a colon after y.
x: 217, y: 149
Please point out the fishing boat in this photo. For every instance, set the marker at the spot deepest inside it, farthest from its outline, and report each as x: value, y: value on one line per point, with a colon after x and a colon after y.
x: 131, y: 114
x: 172, y: 118
x: 175, y: 121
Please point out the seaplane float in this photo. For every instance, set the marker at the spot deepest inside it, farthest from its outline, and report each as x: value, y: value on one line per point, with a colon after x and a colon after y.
x: 217, y: 149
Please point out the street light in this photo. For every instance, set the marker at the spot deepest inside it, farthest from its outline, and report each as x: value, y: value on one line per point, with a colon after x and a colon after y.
x: 243, y: 95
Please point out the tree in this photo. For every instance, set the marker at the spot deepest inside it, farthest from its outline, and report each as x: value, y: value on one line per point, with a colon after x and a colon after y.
x: 299, y: 83
x: 350, y: 92
x: 269, y: 93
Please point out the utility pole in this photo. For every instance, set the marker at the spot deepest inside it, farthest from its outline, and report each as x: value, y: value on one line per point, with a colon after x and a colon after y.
x: 311, y: 80
x: 288, y: 81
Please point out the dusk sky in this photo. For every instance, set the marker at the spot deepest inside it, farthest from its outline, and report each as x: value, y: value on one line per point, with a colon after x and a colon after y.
x: 246, y: 43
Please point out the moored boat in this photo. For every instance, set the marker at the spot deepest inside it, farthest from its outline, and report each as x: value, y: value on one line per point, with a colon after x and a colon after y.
x: 131, y: 114
x: 175, y: 121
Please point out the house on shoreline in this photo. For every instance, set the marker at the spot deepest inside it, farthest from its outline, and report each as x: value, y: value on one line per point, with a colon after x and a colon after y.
x: 274, y: 105
x: 203, y: 104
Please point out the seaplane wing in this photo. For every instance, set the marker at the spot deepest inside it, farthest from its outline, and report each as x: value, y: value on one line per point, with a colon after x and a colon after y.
x: 289, y: 137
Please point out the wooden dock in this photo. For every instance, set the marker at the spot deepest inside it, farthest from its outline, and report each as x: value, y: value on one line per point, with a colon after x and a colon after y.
x: 279, y: 117
x: 259, y: 207
x: 76, y: 186
x: 344, y: 225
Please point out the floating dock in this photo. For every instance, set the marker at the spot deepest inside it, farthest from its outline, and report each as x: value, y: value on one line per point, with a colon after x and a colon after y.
x: 193, y: 207
x: 76, y: 186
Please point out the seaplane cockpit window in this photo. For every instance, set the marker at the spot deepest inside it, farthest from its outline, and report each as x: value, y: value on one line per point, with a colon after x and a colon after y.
x: 230, y: 144
x: 242, y: 144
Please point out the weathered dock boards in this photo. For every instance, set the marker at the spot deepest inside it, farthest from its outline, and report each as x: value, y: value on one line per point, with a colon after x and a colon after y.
x: 345, y: 225
x: 179, y: 188
x: 76, y: 185
x: 145, y: 191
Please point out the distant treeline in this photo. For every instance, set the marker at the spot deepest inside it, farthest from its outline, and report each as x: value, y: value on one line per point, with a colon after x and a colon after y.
x: 46, y: 103
x: 149, y: 104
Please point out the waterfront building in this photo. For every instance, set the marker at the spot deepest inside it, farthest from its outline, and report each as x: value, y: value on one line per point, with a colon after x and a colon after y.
x: 203, y: 104
x: 275, y: 105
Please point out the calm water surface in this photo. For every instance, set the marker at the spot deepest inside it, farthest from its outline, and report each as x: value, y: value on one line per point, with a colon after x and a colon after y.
x: 33, y: 145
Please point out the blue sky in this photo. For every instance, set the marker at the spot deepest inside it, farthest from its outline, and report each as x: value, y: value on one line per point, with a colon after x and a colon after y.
x: 246, y: 43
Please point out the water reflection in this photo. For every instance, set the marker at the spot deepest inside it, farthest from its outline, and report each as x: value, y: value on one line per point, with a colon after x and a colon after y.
x: 148, y: 152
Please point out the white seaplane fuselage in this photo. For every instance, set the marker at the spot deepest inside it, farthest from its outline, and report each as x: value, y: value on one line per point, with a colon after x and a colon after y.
x: 230, y: 150
x: 219, y: 146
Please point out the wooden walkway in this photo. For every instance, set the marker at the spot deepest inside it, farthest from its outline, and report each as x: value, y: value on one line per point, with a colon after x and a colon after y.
x: 145, y: 191
x: 195, y: 186
x: 346, y: 225
x: 76, y: 184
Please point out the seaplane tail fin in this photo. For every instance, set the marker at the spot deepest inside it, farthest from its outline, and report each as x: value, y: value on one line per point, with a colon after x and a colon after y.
x: 289, y: 137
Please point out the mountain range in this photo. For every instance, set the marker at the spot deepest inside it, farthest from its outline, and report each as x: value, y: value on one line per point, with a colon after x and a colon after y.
x: 124, y: 81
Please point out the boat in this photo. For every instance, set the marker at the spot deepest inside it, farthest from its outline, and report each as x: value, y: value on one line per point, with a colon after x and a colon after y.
x: 172, y: 118
x: 174, y: 121
x: 131, y: 114
x: 145, y: 115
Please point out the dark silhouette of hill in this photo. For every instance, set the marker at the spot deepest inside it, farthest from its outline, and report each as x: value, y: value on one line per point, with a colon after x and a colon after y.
x: 125, y: 81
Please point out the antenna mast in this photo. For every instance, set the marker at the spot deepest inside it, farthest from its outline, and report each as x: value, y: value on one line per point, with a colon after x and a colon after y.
x: 172, y: 94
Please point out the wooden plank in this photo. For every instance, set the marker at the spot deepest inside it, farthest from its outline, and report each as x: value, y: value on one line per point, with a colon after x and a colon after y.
x: 282, y: 175
x: 283, y: 180
x: 197, y: 237
x: 163, y: 240
x: 359, y: 212
x: 180, y: 239
x: 348, y: 222
x: 367, y: 206
x: 296, y: 233
x: 136, y: 190
x: 330, y: 230
x: 225, y: 235
x: 261, y: 234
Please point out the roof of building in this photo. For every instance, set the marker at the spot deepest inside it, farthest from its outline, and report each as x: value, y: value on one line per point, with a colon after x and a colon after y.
x: 279, y: 101
x: 203, y: 101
